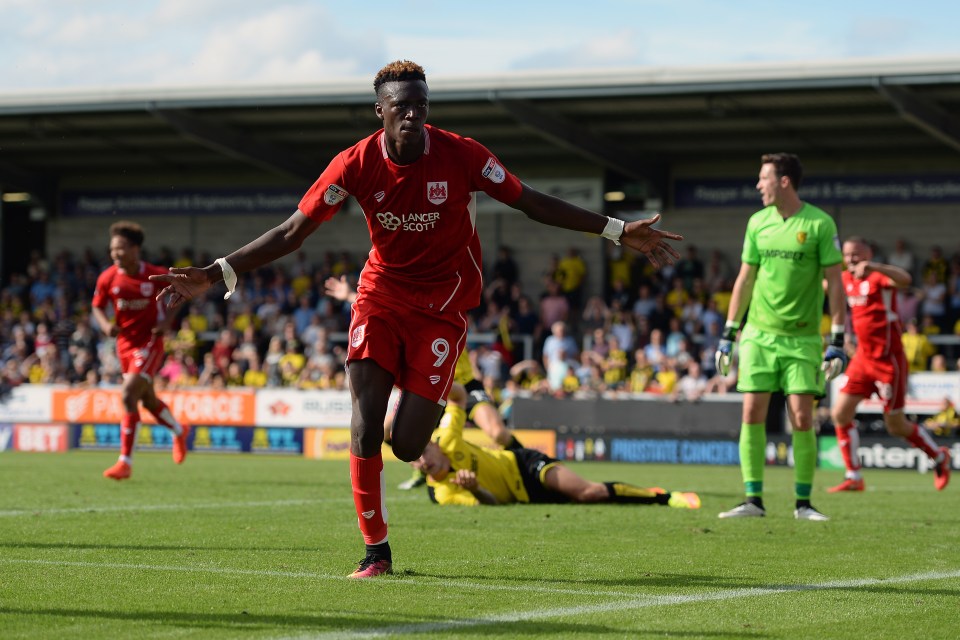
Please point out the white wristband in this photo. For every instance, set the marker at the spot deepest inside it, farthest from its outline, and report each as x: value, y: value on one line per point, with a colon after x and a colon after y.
x: 229, y: 277
x: 613, y: 230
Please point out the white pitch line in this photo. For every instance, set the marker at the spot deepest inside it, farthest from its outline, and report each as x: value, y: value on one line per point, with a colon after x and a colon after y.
x: 420, y: 581
x: 641, y: 602
x: 42, y: 511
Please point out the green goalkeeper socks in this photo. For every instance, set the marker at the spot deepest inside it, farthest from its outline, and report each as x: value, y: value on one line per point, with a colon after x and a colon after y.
x: 753, y: 446
x: 804, y: 462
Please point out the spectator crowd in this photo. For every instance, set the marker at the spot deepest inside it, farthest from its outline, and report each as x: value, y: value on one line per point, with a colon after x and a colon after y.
x: 648, y: 331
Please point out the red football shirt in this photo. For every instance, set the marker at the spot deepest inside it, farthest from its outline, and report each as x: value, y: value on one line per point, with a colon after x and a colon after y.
x: 873, y: 312
x: 421, y: 216
x: 135, y: 308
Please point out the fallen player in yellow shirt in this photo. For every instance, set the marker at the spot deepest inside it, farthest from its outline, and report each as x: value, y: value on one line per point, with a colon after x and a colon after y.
x: 460, y: 472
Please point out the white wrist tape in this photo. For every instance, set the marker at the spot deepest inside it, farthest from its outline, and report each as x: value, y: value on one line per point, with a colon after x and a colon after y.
x: 613, y: 230
x: 229, y: 277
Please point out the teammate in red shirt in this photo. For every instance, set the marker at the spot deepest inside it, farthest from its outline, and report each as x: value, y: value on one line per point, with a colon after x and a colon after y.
x: 879, y: 365
x: 138, y: 324
x: 416, y: 185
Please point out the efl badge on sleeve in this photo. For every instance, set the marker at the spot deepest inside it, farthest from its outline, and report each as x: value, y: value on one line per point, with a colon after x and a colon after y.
x: 334, y: 195
x: 493, y: 172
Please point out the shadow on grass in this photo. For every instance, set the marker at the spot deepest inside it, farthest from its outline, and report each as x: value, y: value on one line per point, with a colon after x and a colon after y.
x: 641, y: 580
x: 686, y: 581
x: 348, y: 622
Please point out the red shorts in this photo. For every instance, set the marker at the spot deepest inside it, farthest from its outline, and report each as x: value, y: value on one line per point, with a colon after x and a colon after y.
x: 420, y: 349
x: 886, y: 377
x: 145, y: 360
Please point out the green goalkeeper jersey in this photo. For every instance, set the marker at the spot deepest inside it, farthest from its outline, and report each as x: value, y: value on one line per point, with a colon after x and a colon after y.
x: 790, y: 256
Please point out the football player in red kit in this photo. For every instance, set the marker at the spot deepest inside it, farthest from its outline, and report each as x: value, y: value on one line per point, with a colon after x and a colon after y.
x: 416, y: 185
x: 138, y: 325
x: 879, y: 365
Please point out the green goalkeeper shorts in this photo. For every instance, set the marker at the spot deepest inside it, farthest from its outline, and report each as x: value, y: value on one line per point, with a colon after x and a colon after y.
x: 771, y: 362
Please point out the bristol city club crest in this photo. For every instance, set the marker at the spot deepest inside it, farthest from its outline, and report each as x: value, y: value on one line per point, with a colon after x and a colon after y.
x: 356, y: 338
x: 437, y: 192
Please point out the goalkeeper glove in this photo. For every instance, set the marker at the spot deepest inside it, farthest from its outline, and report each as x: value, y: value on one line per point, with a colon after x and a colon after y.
x: 835, y: 358
x: 725, y: 347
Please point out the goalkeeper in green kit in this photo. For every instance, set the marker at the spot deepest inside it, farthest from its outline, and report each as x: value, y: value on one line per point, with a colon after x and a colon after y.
x: 789, y: 248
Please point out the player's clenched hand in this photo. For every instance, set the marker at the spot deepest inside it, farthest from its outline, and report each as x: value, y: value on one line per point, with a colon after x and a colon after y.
x: 834, y: 361
x: 467, y: 479
x: 184, y: 283
x: 641, y: 235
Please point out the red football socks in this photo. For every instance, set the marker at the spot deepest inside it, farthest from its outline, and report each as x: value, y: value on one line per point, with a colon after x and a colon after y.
x: 164, y: 417
x: 366, y: 476
x: 848, y: 439
x: 922, y: 440
x: 128, y: 433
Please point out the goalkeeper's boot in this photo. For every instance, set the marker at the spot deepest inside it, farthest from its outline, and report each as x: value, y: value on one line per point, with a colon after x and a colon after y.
x: 120, y: 471
x: 180, y: 444
x: 684, y: 500
x: 372, y: 566
x: 809, y: 512
x: 745, y: 510
x: 850, y: 484
x: 941, y: 477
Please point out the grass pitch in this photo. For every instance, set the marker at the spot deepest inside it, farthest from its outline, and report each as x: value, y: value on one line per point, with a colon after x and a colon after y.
x: 259, y: 547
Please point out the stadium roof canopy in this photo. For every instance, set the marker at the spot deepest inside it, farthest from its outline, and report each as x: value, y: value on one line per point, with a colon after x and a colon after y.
x: 640, y: 123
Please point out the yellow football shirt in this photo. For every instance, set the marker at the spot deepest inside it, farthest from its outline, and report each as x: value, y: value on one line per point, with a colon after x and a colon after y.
x: 464, y: 371
x: 496, y: 469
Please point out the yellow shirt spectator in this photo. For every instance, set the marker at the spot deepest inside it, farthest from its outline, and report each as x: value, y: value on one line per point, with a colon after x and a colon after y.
x: 301, y: 284
x: 918, y: 350
x: 255, y: 379
x: 571, y: 270
x: 615, y: 367
x: 722, y: 298
x: 666, y: 380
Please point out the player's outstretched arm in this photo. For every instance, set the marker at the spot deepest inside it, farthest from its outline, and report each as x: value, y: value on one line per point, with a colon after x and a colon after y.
x: 186, y: 283
x: 901, y: 278
x: 639, y: 234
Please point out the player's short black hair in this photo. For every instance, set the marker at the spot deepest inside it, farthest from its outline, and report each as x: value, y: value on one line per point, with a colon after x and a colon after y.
x: 129, y: 230
x: 398, y: 71
x: 785, y: 164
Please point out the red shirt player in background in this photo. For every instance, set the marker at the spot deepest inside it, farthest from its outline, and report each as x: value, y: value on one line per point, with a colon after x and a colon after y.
x: 416, y: 185
x: 879, y: 365
x: 138, y: 324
